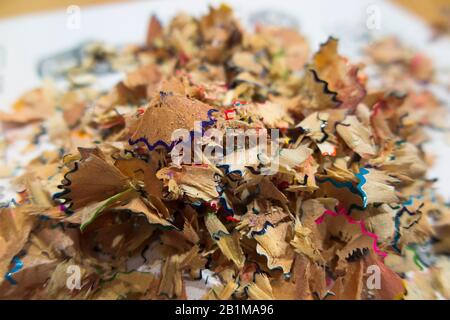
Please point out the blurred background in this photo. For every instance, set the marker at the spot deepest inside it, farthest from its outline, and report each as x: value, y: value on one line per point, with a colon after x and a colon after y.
x: 434, y: 12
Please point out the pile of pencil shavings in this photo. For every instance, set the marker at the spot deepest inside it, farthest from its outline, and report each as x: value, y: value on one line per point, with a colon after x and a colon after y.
x: 338, y: 207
